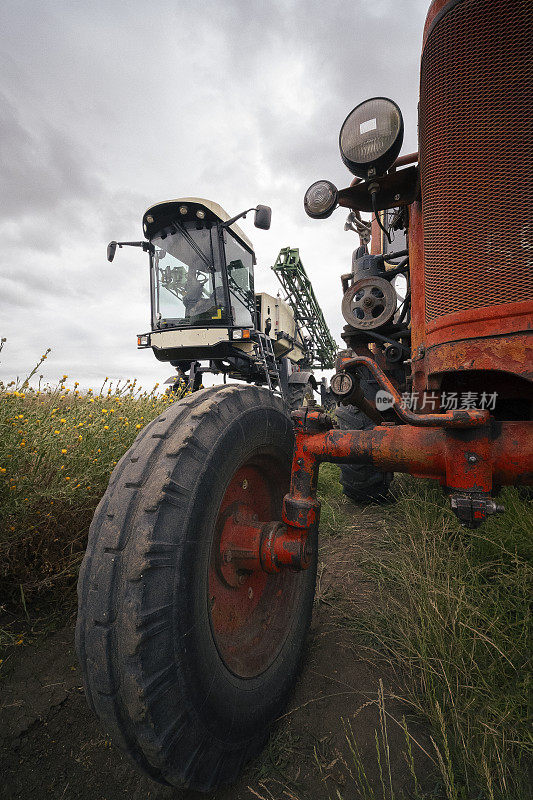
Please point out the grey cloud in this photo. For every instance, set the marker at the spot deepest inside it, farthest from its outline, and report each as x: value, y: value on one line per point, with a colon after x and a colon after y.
x: 41, y: 167
x: 111, y: 107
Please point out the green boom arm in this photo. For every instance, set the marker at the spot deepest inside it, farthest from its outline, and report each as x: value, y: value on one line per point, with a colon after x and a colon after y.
x: 307, y: 313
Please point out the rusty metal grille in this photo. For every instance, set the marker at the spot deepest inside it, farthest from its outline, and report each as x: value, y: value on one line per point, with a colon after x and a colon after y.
x: 476, y: 154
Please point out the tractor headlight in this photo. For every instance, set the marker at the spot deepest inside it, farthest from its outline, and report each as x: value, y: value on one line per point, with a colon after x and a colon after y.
x: 320, y: 199
x: 371, y: 137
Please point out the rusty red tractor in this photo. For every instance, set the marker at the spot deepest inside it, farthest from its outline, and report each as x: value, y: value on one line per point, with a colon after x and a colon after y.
x: 196, y: 590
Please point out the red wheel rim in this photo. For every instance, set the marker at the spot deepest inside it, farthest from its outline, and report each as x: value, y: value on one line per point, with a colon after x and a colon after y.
x: 251, y: 621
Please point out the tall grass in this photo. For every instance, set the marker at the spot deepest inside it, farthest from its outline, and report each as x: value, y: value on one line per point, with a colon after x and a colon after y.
x: 455, y: 622
x: 57, y: 450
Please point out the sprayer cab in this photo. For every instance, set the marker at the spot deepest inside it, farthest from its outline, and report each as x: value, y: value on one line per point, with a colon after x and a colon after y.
x: 201, y: 279
x: 201, y: 267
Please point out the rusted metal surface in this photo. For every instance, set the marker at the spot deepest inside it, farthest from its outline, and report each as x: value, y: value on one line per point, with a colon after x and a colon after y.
x: 507, y: 354
x: 476, y: 158
x: 437, y: 9
x: 461, y: 418
x: 467, y: 462
x: 395, y: 189
x: 250, y: 610
x: 416, y: 271
x: 376, y: 248
x: 497, y: 320
x: 283, y: 547
x: 401, y: 161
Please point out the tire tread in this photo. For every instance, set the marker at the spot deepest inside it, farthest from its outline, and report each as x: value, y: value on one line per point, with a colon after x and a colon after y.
x: 140, y: 485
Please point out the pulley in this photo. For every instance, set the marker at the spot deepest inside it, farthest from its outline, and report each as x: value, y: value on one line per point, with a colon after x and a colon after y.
x: 369, y: 303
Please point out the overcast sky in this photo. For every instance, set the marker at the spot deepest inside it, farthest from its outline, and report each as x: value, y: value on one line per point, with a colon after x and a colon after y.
x: 109, y: 107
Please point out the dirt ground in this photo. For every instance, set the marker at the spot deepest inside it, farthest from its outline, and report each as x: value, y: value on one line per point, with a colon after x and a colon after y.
x: 53, y: 747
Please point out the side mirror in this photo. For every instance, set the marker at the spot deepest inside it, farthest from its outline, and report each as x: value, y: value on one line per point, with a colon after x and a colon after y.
x: 263, y: 216
x: 111, y: 250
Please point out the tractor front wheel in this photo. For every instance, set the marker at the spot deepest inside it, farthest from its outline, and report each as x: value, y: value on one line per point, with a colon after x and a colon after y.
x: 186, y: 659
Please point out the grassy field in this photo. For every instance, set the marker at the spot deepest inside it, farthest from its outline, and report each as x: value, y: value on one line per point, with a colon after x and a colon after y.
x: 454, y: 613
x: 57, y: 451
x: 454, y: 621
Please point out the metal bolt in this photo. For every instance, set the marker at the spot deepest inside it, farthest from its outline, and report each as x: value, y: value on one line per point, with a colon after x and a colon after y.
x: 245, y: 484
x: 250, y: 592
x: 472, y: 459
x: 397, y: 196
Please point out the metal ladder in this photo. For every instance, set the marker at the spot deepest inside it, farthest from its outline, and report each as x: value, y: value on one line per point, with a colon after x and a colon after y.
x: 268, y: 360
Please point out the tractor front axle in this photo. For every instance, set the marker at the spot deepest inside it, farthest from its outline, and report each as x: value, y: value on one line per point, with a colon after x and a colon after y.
x: 467, y: 462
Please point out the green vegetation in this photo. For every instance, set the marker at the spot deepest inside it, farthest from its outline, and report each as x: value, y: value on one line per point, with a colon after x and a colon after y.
x: 57, y: 450
x: 454, y: 621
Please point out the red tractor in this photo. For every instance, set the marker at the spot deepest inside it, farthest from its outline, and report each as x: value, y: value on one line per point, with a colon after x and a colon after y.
x: 196, y: 591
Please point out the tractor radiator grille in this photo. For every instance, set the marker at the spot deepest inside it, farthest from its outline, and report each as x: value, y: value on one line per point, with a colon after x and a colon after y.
x: 476, y: 156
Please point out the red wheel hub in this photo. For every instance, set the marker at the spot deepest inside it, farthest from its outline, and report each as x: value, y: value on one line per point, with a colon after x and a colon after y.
x: 250, y: 610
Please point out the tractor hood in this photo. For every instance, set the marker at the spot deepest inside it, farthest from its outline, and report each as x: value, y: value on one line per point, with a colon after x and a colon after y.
x: 161, y: 214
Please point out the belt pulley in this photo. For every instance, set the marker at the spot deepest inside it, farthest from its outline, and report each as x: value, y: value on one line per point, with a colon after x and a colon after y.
x: 369, y: 303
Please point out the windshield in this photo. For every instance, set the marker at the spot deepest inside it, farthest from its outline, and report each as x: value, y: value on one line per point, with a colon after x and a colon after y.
x: 187, y: 283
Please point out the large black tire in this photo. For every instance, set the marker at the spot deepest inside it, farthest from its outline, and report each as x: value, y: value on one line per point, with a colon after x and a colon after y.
x: 301, y: 395
x: 156, y: 663
x: 361, y: 482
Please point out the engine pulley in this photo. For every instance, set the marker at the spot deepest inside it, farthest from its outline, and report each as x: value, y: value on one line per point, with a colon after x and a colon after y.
x: 369, y: 303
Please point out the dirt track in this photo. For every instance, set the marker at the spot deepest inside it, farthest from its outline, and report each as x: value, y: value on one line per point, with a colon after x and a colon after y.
x: 53, y: 747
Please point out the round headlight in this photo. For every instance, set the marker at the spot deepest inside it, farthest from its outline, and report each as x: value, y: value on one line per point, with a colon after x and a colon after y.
x: 320, y: 199
x: 371, y: 137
